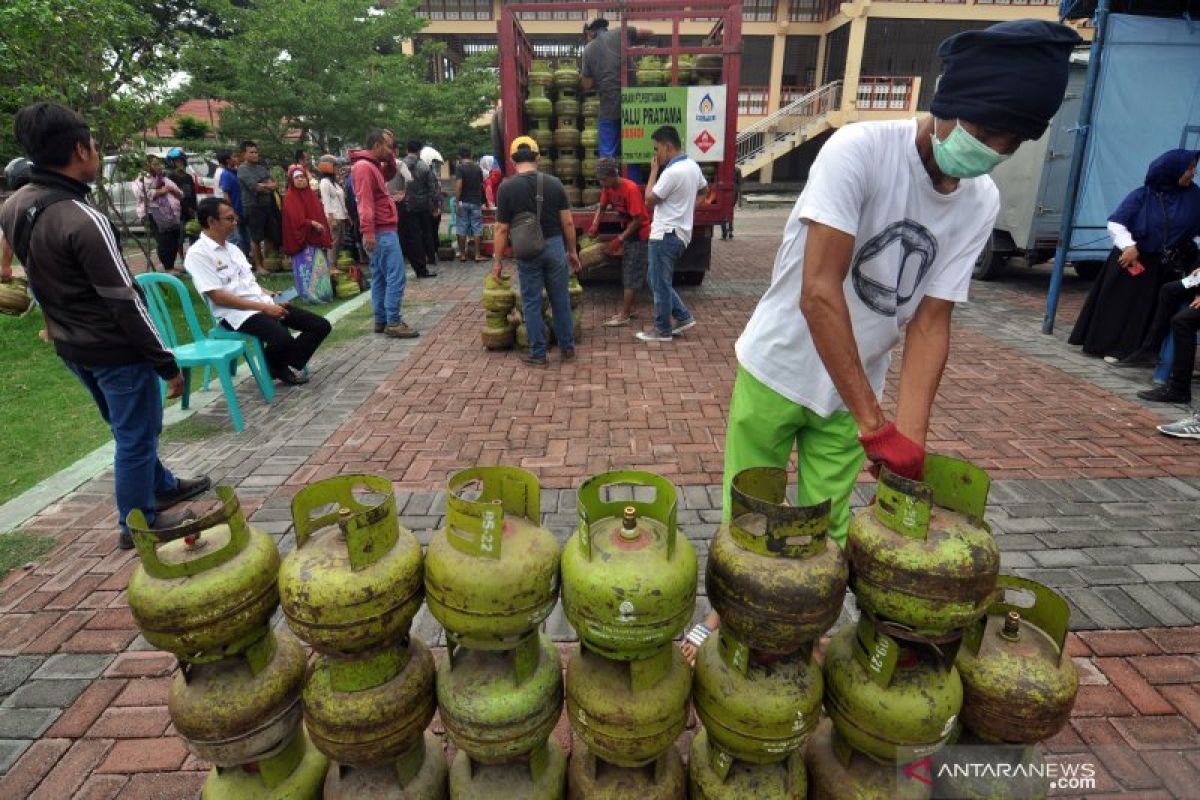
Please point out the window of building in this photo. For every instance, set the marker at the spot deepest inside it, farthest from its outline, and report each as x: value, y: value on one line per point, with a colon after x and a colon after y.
x: 758, y: 10
x: 812, y: 10
x: 455, y: 9
x: 551, y: 15
x: 800, y: 65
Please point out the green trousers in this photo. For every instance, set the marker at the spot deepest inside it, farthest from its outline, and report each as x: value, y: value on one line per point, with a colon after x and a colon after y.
x: 763, y: 428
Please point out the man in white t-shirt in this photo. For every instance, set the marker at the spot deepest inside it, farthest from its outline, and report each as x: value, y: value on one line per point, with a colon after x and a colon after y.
x: 671, y: 196
x: 221, y: 273
x: 878, y: 249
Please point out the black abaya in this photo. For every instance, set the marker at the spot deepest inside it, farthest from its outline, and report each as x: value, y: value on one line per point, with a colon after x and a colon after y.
x: 1119, y: 307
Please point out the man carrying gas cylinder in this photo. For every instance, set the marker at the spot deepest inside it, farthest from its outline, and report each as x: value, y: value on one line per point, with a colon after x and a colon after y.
x: 878, y: 249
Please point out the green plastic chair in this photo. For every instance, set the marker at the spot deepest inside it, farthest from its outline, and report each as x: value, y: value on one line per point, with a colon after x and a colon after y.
x: 201, y: 351
x: 255, y: 357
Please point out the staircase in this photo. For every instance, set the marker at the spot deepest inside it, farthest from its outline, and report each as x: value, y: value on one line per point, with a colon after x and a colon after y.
x: 788, y: 128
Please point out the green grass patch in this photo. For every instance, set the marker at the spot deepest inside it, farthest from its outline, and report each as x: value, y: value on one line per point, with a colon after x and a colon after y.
x: 18, y: 548
x: 192, y: 429
x: 354, y: 325
x: 50, y: 421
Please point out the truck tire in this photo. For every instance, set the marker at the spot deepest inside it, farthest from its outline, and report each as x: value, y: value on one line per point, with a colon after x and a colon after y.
x: 1088, y: 270
x: 990, y: 264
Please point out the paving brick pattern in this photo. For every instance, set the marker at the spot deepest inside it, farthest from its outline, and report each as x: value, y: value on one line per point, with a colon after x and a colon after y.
x: 1086, y: 498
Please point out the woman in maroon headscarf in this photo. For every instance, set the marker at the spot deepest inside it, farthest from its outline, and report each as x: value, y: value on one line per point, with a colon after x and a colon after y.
x: 306, y: 238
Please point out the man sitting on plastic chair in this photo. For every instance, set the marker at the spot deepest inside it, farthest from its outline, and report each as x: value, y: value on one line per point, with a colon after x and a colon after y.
x: 222, y: 274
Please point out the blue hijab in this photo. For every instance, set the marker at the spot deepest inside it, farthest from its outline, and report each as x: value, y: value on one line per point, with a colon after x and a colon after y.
x: 1161, y: 213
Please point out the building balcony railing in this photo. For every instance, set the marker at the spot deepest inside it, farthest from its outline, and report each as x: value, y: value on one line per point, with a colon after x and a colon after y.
x: 753, y: 101
x: 882, y: 93
x: 789, y: 93
x: 456, y: 9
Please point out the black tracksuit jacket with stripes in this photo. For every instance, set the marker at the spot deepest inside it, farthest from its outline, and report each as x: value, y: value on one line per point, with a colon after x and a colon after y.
x: 95, y: 313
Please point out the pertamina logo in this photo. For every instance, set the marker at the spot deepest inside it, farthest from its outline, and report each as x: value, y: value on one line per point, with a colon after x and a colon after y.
x: 705, y: 141
x: 705, y: 109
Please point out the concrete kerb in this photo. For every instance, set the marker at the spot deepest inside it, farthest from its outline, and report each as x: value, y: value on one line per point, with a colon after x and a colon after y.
x: 37, y: 498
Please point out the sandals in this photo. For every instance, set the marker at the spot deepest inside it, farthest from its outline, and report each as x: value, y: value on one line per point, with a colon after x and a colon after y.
x: 617, y: 321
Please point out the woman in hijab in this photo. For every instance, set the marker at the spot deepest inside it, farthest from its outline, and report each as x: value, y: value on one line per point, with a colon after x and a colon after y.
x: 1152, y: 232
x: 306, y: 238
x: 491, y: 180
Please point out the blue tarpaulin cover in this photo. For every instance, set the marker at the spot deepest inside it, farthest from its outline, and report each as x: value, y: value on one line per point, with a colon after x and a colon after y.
x: 1147, y: 102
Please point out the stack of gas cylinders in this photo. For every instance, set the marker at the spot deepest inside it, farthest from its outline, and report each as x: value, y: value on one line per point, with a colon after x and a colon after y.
x: 350, y: 589
x: 945, y: 651
x: 491, y: 580
x: 778, y: 583
x: 207, y: 595
x: 499, y: 331
x: 629, y: 588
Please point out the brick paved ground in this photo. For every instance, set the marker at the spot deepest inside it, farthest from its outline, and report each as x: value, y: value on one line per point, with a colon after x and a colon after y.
x: 1088, y: 498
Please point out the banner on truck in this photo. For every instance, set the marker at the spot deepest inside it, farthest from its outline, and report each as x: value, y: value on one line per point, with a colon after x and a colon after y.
x: 697, y: 112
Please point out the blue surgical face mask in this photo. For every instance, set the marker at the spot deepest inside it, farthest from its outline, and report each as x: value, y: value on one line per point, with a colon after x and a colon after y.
x: 961, y: 155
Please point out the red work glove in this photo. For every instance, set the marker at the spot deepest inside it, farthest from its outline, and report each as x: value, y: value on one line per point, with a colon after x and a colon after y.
x: 615, y: 247
x: 890, y: 448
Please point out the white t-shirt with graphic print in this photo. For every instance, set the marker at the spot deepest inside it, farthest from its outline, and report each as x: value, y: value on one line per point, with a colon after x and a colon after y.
x: 910, y: 241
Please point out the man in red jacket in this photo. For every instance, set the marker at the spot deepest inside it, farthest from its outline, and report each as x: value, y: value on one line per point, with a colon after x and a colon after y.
x: 377, y: 222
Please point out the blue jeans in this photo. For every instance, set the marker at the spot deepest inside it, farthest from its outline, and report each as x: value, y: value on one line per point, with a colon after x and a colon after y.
x: 664, y: 254
x: 609, y: 143
x: 387, y: 278
x: 549, y: 271
x: 130, y: 401
x: 469, y: 219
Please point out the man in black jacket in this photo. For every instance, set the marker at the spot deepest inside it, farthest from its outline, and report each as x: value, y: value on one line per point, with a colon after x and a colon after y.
x: 96, y: 315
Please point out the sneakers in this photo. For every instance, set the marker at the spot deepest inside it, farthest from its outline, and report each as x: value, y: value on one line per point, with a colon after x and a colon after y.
x: 617, y: 321
x: 289, y: 376
x: 683, y: 326
x: 161, y: 522
x: 1165, y: 394
x: 1187, y: 428
x: 186, y: 489
x: 400, y: 330
x: 534, y: 361
x: 1138, y: 358
x: 653, y: 336
x: 427, y: 274
x: 568, y: 354
x: 379, y: 327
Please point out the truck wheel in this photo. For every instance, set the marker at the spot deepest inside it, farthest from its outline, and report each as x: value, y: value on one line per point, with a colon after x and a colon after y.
x: 1088, y: 270
x: 689, y: 278
x: 990, y: 264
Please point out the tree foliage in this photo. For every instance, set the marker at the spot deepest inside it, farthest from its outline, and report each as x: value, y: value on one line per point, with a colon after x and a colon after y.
x: 189, y: 128
x: 329, y: 71
x: 108, y: 59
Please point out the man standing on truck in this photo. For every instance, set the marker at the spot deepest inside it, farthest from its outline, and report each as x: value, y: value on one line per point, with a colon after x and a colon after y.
x: 602, y: 73
x: 878, y: 248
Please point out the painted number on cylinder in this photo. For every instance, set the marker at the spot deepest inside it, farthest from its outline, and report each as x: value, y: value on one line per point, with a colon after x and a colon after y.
x: 487, y: 532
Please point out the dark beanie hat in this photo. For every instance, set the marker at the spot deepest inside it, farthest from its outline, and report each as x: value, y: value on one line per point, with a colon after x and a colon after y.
x: 1011, y: 76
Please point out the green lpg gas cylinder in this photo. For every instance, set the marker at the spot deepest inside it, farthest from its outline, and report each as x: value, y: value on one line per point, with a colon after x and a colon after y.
x: 239, y: 708
x: 354, y: 580
x: 538, y: 105
x: 540, y: 73
x: 567, y: 75
x: 628, y: 713
x: 498, y: 294
x: 922, y: 555
x: 836, y: 772
x: 629, y: 576
x: 567, y: 104
x: 755, y: 712
x: 370, y: 709
x: 591, y: 778
x: 773, y: 575
x: 889, y: 701
x: 295, y: 773
x: 499, y: 706
x: 205, y: 589
x: 973, y: 769
x: 781, y: 780
x: 539, y: 777
x: 491, y: 575
x: 418, y: 774
x: 1019, y: 684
